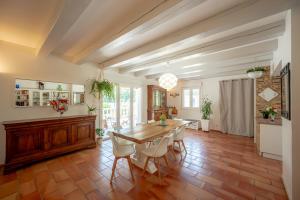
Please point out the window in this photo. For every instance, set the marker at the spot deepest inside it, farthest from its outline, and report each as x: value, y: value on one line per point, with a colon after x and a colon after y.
x: 186, y: 98
x: 137, y: 106
x: 125, y: 118
x: 191, y: 97
x: 125, y: 110
x: 109, y: 112
x: 195, y: 98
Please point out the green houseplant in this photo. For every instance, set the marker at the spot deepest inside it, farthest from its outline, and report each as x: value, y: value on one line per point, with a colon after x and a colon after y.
x: 206, y: 111
x: 269, y: 111
x: 255, y: 72
x: 91, y: 109
x: 103, y: 87
x: 100, y: 134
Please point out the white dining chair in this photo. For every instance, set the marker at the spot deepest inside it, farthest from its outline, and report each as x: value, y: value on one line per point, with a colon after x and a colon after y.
x: 121, y: 150
x: 178, y: 138
x: 157, y: 152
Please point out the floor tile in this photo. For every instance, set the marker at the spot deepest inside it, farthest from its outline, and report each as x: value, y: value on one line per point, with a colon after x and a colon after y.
x: 217, y: 166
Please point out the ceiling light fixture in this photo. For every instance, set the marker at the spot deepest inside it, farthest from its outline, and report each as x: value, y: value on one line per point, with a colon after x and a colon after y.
x: 167, y: 80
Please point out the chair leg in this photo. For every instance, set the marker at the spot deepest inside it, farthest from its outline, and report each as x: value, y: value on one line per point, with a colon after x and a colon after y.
x: 166, y: 160
x: 113, y: 169
x: 179, y: 146
x: 183, y: 146
x: 158, y: 170
x: 130, y: 167
x: 145, y: 166
x: 173, y: 152
x: 180, y: 149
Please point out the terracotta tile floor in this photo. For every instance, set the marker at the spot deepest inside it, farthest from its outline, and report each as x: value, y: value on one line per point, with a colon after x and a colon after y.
x: 217, y: 166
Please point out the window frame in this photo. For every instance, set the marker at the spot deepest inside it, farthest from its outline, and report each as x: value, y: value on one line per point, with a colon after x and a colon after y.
x: 118, y: 103
x: 190, y: 97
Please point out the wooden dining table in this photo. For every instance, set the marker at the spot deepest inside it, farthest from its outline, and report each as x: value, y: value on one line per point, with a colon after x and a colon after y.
x: 144, y: 133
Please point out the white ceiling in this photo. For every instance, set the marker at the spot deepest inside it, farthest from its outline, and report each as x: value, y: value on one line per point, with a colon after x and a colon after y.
x: 190, y: 38
x: 25, y: 22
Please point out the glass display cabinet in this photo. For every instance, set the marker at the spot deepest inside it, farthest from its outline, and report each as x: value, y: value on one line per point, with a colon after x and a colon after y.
x: 157, y: 102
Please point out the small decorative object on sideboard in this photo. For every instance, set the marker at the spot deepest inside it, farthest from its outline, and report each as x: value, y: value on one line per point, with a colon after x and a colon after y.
x: 41, y: 85
x: 91, y: 110
x: 255, y: 72
x: 206, y: 112
x: 100, y: 134
x: 163, y: 119
x: 59, y: 105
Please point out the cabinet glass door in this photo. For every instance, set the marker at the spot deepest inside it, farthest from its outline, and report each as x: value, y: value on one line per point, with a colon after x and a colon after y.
x: 36, y: 98
x: 45, y: 98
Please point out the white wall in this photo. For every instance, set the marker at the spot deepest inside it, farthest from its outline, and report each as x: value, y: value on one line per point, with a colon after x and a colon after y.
x: 281, y: 57
x: 295, y: 99
x: 209, y: 88
x: 20, y: 63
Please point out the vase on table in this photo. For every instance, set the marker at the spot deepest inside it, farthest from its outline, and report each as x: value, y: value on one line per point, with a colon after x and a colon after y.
x: 163, y: 122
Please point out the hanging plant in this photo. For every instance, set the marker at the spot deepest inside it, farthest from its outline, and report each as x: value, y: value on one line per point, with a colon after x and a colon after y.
x: 103, y: 87
x: 256, y: 69
x: 255, y: 72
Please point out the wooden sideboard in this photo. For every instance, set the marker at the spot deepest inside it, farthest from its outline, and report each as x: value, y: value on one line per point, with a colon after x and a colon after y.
x: 29, y: 141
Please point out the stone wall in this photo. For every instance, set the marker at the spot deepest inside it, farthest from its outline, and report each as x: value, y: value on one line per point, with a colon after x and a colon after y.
x: 274, y: 83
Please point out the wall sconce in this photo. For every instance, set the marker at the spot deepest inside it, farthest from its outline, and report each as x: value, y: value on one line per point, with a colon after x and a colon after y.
x: 174, y: 94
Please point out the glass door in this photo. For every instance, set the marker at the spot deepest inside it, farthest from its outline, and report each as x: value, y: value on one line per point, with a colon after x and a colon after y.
x: 109, y: 113
x: 125, y: 107
x: 137, y: 106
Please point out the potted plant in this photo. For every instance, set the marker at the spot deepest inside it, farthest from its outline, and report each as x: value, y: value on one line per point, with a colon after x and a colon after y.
x: 255, y: 72
x: 273, y: 113
x: 265, y: 114
x: 163, y: 119
x: 91, y: 110
x: 269, y: 111
x: 206, y: 112
x: 100, y: 134
x: 103, y: 87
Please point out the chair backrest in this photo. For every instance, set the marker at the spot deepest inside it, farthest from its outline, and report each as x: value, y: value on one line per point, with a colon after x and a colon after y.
x: 180, y: 133
x: 114, y: 143
x: 171, y: 140
x: 162, y: 147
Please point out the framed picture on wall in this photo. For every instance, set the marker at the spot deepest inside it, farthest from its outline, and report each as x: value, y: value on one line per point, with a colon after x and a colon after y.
x: 286, y: 92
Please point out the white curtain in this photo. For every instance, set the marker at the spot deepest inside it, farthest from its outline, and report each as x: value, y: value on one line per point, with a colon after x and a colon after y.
x: 237, y: 106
